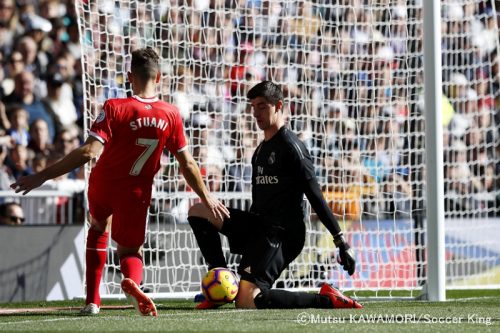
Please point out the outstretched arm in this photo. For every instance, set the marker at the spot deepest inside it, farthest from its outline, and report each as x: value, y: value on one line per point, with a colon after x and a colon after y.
x: 318, y: 203
x: 78, y: 157
x: 192, y: 174
x: 320, y: 206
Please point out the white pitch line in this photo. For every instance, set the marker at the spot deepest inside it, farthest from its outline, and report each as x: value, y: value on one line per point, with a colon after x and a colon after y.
x: 38, y: 321
x: 120, y: 317
x: 210, y: 312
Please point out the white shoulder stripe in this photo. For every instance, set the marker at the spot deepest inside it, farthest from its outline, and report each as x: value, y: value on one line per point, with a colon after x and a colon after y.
x: 94, y: 249
x: 97, y: 136
x: 297, y: 148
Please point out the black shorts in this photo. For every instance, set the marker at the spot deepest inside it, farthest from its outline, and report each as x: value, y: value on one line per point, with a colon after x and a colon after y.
x: 266, y: 250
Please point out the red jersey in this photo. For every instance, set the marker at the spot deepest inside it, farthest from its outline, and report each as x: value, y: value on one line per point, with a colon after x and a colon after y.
x: 134, y: 132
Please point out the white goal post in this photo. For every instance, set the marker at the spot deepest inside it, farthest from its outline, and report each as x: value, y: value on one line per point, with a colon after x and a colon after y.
x: 353, y: 77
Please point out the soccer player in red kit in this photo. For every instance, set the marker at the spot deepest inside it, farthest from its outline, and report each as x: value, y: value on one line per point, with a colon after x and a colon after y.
x: 131, y: 133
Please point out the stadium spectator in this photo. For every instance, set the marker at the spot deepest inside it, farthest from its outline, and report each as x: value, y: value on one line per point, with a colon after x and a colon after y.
x: 59, y: 104
x: 38, y: 28
x: 342, y: 197
x: 6, y: 177
x: 35, y: 60
x: 10, y: 19
x: 243, y: 71
x: 463, y: 183
x: 14, y: 66
x: 490, y: 182
x: 18, y: 130
x: 64, y: 70
x: 214, y: 178
x: 4, y: 119
x: 51, y: 9
x: 39, y: 162
x: 58, y: 35
x: 40, y: 141
x: 181, y: 96
x: 24, y: 94
x: 11, y: 213
x: 19, y: 161
x: 66, y: 141
x: 238, y: 172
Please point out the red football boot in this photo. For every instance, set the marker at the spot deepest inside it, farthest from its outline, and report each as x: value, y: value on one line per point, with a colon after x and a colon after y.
x: 141, y: 302
x: 339, y: 300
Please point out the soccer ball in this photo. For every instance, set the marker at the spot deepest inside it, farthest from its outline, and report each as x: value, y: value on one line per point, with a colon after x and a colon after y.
x: 220, y: 286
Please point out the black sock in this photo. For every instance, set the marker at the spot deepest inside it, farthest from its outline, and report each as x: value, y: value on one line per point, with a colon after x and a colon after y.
x: 208, y: 240
x: 283, y: 299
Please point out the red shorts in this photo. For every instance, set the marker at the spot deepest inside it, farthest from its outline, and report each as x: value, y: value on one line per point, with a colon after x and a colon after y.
x: 129, y: 207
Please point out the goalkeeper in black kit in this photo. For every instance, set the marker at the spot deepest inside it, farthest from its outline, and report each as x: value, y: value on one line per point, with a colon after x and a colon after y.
x: 272, y: 234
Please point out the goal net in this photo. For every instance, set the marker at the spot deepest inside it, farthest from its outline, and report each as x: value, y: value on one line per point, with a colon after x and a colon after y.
x: 352, y: 73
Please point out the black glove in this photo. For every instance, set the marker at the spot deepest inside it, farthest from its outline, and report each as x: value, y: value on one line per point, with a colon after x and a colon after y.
x: 346, y: 254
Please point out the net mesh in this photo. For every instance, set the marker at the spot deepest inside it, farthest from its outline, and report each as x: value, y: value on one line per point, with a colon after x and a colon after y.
x: 352, y: 74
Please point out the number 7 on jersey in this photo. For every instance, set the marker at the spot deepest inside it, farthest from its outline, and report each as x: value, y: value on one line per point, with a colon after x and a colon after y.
x: 150, y: 145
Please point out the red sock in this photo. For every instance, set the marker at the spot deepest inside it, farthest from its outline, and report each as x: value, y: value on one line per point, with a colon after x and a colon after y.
x: 131, y: 267
x: 95, y: 256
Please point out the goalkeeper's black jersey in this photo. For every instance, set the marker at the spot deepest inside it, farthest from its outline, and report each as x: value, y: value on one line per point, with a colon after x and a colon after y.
x: 282, y: 172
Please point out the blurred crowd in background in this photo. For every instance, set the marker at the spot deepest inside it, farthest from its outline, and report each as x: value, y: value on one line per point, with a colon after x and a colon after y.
x: 41, y: 97
x: 352, y: 73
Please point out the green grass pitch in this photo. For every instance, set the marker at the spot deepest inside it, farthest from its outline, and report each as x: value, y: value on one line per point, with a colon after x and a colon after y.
x: 469, y: 311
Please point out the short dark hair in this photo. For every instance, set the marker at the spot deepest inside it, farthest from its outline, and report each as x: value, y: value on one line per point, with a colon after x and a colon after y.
x: 4, y: 207
x: 14, y: 107
x: 267, y: 89
x: 145, y: 64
